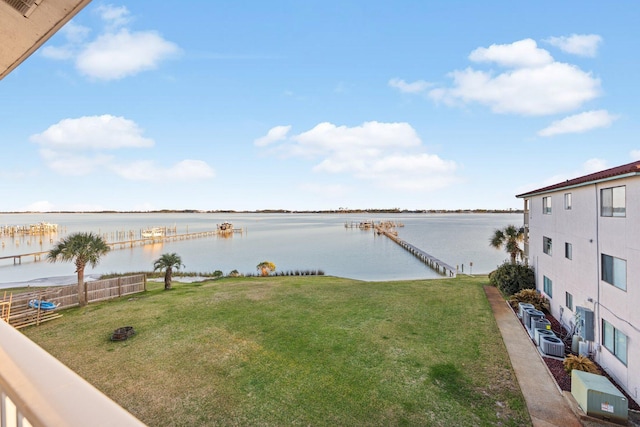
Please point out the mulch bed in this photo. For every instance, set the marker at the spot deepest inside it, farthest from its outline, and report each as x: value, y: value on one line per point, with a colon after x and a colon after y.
x: 563, y: 379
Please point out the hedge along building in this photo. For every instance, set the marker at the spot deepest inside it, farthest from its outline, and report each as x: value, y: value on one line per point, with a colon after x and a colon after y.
x: 582, y: 237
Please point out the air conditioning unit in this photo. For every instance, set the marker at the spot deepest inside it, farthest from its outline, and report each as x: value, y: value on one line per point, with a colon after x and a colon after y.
x: 538, y: 333
x: 522, y: 306
x: 552, y: 346
x: 531, y: 313
x: 539, y: 323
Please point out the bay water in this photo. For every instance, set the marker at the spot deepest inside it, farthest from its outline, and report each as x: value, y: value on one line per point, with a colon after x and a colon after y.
x: 292, y: 241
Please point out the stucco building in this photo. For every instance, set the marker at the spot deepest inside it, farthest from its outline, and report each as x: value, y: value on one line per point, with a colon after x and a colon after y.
x: 583, y: 242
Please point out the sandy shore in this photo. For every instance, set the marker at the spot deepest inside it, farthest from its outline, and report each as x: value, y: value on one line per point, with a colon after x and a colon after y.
x: 49, y: 281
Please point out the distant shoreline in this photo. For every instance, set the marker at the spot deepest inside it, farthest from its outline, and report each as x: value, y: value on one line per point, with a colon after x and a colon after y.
x: 284, y: 211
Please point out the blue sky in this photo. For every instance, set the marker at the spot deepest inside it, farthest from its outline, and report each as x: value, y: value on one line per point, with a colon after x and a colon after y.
x: 309, y: 105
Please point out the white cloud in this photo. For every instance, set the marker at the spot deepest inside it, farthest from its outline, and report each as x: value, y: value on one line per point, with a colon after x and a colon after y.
x: 414, y: 87
x: 93, y: 132
x: 577, y: 44
x: 534, y: 85
x: 277, y: 133
x: 524, y: 53
x: 117, y: 55
x: 390, y: 155
x: 579, y: 123
x: 116, y: 52
x: 114, y: 16
x: 78, y: 147
x: 146, y: 170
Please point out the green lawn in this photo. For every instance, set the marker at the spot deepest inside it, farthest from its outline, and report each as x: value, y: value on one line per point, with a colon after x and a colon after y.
x: 275, y: 351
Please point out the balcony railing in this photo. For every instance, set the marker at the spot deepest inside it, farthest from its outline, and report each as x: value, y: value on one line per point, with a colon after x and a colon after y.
x: 38, y: 390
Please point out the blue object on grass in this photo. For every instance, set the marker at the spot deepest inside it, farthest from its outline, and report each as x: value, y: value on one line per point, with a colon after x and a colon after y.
x: 42, y: 305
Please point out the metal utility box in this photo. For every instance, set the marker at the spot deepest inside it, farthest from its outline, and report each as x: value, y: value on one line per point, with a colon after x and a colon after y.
x: 599, y: 398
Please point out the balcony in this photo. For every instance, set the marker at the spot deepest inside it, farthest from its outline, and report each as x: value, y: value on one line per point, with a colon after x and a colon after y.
x: 38, y: 390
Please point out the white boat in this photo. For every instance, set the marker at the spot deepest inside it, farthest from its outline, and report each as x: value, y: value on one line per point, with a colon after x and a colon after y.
x: 152, y: 232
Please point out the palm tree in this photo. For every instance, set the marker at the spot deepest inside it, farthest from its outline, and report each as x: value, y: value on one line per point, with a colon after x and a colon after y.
x: 82, y: 249
x: 266, y: 267
x: 509, y: 238
x: 168, y: 262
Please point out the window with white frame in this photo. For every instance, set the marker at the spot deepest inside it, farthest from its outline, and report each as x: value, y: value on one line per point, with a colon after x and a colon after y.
x: 568, y: 250
x: 546, y: 245
x: 613, y: 201
x: 568, y: 300
x: 546, y: 205
x: 614, y: 341
x: 614, y: 271
x: 547, y: 286
x: 567, y: 201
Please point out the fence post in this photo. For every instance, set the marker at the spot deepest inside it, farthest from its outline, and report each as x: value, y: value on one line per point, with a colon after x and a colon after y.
x: 119, y: 287
x: 145, y: 282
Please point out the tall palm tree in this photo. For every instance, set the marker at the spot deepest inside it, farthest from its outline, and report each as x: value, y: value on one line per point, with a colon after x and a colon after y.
x: 266, y: 267
x: 168, y: 262
x: 509, y: 238
x: 82, y: 249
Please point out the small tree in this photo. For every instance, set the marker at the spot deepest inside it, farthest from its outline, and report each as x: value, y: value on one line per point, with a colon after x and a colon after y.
x: 82, y: 249
x: 168, y: 262
x: 266, y: 267
x: 512, y: 278
x: 509, y: 238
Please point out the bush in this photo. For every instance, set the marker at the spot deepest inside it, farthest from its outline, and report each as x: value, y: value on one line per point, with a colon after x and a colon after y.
x: 531, y: 296
x: 581, y: 363
x: 512, y: 278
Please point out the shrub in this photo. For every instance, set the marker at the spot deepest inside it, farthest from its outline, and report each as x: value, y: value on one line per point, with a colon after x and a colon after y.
x: 531, y: 296
x: 581, y: 363
x: 512, y: 278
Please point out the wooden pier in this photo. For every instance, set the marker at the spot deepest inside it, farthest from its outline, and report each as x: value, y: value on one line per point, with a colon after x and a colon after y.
x: 37, y: 256
x: 431, y: 261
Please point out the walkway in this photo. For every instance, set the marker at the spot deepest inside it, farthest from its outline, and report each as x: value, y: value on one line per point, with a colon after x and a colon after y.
x: 546, y: 404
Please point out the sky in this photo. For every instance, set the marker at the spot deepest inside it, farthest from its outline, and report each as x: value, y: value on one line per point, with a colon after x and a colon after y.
x: 319, y: 105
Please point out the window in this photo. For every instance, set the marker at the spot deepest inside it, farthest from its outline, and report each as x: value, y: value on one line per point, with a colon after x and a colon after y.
x: 568, y: 250
x: 548, y: 286
x: 568, y: 300
x: 614, y: 341
x: 614, y: 271
x: 567, y: 201
x: 546, y: 205
x: 546, y: 245
x: 612, y: 201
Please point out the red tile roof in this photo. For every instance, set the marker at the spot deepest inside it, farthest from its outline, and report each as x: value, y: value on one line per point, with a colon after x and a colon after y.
x: 629, y: 168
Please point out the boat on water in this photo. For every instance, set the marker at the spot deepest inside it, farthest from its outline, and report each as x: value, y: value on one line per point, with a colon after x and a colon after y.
x: 152, y: 232
x: 225, y: 226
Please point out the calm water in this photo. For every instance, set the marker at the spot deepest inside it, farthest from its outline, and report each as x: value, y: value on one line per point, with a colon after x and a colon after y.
x: 291, y: 241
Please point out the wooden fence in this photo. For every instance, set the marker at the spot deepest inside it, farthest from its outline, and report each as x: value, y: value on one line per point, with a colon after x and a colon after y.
x: 22, y: 315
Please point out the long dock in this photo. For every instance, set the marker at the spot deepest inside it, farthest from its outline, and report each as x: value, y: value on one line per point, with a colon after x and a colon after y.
x: 37, y: 256
x: 431, y: 261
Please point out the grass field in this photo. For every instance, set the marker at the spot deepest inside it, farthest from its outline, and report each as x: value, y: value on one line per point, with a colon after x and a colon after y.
x: 315, y: 350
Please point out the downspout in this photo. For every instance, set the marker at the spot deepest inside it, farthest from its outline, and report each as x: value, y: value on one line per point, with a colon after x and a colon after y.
x: 598, y: 321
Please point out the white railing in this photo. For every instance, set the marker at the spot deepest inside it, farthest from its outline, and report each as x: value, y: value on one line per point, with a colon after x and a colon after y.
x: 37, y: 390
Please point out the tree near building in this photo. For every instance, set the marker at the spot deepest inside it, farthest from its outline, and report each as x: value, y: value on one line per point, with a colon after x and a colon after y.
x: 168, y: 262
x: 82, y: 249
x: 509, y: 238
x: 266, y: 267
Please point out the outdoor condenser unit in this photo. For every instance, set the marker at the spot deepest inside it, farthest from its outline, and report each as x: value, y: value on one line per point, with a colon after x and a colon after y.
x: 539, y: 323
x: 599, y: 398
x: 531, y: 313
x: 584, y: 323
x: 542, y: 332
x: 522, y: 306
x: 551, y: 346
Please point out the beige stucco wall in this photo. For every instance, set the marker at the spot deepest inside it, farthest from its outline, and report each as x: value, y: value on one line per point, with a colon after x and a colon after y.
x: 22, y: 36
